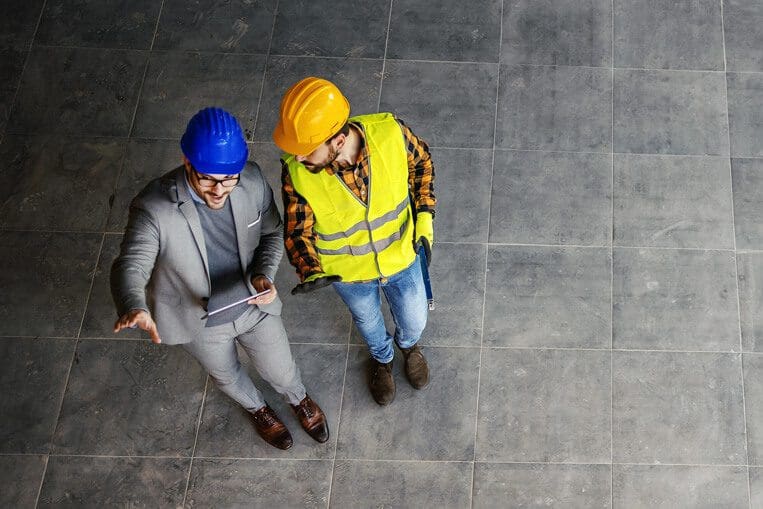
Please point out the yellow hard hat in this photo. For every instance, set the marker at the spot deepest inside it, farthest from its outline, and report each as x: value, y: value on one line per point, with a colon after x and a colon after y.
x: 312, y: 111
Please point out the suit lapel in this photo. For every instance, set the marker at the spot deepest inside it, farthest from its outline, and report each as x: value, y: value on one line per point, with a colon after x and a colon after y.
x: 238, y: 206
x: 188, y: 209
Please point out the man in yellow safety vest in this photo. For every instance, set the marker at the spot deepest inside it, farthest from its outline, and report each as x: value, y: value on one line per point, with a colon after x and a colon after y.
x: 359, y: 200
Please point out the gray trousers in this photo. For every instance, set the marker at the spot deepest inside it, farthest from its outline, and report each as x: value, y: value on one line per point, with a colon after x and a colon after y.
x: 263, y: 337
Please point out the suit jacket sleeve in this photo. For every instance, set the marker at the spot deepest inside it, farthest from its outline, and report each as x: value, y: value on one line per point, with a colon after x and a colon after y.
x: 132, y: 269
x: 268, y: 254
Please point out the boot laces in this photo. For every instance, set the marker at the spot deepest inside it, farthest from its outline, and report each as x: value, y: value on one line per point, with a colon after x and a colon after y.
x: 306, y: 411
x: 265, y: 417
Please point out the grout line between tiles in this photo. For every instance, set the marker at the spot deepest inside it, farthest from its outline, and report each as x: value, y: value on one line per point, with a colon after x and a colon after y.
x: 145, y: 71
x: 487, y: 252
x: 428, y: 345
x: 339, y: 417
x: 415, y: 61
x: 195, y: 439
x: 42, y: 480
x: 60, y: 408
x: 71, y: 365
x: 264, y: 72
x: 384, y: 58
x: 612, y: 271
x: 12, y: 104
x: 90, y: 288
x: 376, y: 460
x: 736, y: 263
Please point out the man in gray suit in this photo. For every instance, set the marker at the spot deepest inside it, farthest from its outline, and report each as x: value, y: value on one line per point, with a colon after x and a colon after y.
x: 200, y: 238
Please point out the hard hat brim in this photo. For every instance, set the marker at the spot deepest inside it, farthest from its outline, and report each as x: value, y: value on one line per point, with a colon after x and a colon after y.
x: 290, y: 146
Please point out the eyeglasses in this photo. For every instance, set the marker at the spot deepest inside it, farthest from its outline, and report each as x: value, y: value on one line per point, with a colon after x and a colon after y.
x: 207, y: 181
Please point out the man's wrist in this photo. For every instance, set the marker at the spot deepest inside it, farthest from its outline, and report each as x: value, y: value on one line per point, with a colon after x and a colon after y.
x: 270, y: 279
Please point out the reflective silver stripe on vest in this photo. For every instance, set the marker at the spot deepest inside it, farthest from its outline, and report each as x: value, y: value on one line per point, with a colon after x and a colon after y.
x: 376, y: 223
x: 379, y: 245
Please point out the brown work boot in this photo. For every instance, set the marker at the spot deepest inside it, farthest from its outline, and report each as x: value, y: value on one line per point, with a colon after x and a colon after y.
x: 271, y: 429
x: 312, y: 419
x: 416, y: 369
x: 380, y: 382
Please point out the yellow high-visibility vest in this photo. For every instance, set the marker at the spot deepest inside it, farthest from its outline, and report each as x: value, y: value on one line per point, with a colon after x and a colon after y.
x: 363, y: 241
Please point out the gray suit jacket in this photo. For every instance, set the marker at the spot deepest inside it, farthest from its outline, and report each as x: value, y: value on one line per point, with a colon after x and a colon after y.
x: 162, y: 265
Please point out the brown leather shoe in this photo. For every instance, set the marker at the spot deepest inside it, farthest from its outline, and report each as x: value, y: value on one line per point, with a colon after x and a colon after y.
x: 312, y: 419
x: 271, y: 429
x: 416, y: 369
x: 380, y: 382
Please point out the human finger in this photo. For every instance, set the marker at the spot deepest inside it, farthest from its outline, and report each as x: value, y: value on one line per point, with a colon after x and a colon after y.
x: 153, y: 332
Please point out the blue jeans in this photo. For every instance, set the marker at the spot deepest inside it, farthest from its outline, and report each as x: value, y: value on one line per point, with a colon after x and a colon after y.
x: 407, y: 300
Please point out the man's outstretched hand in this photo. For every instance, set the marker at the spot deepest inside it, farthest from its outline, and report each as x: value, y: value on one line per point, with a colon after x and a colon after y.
x: 138, y: 318
x: 319, y: 282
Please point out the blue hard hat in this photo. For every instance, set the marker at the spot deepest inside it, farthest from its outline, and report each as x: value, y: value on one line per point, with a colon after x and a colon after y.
x: 214, y: 142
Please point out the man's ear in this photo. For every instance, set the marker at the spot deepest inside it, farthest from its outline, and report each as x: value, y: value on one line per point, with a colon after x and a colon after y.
x: 186, y: 163
x: 339, y: 141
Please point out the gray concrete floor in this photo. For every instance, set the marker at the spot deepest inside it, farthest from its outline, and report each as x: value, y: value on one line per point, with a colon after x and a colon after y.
x: 598, y: 263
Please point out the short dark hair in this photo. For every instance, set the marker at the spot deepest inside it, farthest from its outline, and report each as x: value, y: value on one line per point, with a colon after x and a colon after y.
x: 344, y: 130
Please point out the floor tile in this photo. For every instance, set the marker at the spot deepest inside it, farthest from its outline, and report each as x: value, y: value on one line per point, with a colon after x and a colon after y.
x: 45, y: 280
x: 370, y: 484
x: 462, y: 208
x: 317, y: 317
x: 745, y: 101
x: 304, y: 27
x: 753, y: 392
x: 668, y: 34
x: 557, y: 32
x: 554, y: 108
x: 447, y: 104
x: 262, y: 483
x: 747, y: 178
x: 227, y: 430
x: 653, y: 486
x: 22, y: 476
x: 101, y: 24
x: 18, y: 20
x: 207, y: 25
x: 450, y: 30
x: 756, y: 487
x: 180, y: 84
x: 435, y: 423
x: 670, y: 112
x: 12, y: 60
x: 684, y: 408
x: 144, y: 161
x: 114, y: 482
x: 750, y: 280
x: 59, y: 183
x: 101, y: 312
x: 743, y: 32
x: 674, y: 300
x: 548, y: 297
x: 668, y: 201
x: 457, y: 275
x: 130, y: 398
x: 544, y: 406
x: 37, y: 371
x: 78, y: 91
x: 551, y: 198
x: 527, y: 485
x: 357, y: 79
